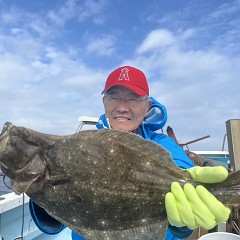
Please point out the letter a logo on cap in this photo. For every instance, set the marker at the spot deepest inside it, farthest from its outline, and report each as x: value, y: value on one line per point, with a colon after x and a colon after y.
x: 124, y: 75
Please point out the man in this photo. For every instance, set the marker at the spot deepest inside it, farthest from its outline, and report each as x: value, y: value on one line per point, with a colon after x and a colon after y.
x: 129, y: 108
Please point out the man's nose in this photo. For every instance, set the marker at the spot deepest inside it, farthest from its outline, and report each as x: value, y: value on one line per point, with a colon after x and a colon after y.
x: 122, y: 104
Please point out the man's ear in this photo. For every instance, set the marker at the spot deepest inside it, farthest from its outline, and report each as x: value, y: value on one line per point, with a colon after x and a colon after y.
x: 149, y: 103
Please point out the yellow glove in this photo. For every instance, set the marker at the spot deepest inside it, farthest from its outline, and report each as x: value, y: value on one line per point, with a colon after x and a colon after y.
x: 208, y: 174
x: 196, y: 207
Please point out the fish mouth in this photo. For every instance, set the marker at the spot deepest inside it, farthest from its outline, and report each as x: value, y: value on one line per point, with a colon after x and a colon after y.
x: 30, y: 186
x: 7, y: 126
x: 4, y: 135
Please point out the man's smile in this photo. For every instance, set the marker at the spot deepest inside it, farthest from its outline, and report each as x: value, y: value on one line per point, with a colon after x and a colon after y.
x: 122, y: 118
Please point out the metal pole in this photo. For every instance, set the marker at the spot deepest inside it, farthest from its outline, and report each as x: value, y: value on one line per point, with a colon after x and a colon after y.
x: 233, y: 136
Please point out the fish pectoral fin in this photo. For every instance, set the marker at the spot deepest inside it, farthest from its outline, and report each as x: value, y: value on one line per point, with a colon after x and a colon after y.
x: 144, y: 178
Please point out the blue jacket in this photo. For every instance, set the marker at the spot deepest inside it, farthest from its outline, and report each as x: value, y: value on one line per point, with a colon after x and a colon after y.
x: 155, y: 120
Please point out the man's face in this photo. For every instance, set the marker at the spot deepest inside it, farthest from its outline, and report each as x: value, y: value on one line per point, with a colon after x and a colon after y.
x: 124, y: 109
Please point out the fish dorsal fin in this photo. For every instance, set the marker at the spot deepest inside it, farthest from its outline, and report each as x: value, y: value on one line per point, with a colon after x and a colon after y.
x: 132, y: 141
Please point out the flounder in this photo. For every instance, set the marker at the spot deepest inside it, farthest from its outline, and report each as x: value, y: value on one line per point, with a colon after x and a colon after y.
x: 103, y: 184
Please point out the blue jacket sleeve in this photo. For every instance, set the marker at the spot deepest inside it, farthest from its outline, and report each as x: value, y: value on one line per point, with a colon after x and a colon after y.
x: 174, y: 233
x: 75, y: 236
x: 178, y: 154
x: 44, y: 221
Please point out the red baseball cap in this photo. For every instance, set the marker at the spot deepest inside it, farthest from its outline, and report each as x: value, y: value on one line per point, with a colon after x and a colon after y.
x: 129, y: 77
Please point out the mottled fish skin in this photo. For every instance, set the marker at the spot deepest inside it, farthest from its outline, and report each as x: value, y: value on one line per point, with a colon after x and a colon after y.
x: 104, y: 184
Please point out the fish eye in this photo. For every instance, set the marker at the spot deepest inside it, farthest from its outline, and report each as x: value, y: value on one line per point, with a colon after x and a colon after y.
x: 26, y: 133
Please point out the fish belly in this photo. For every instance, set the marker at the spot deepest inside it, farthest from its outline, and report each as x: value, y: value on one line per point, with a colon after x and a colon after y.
x: 155, y: 231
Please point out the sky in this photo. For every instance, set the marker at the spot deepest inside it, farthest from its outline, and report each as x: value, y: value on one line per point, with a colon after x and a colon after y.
x: 55, y: 57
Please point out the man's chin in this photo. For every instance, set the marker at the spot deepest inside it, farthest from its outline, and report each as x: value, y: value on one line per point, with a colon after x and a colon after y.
x: 122, y: 127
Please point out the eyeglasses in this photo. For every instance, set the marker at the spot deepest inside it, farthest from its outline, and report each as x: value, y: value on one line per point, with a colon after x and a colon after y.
x: 130, y: 102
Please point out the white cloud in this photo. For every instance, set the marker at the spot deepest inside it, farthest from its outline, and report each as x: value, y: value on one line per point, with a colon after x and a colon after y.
x: 43, y: 87
x: 12, y: 16
x: 64, y: 13
x: 93, y: 8
x: 225, y: 9
x: 156, y: 39
x: 37, y: 96
x: 73, y: 9
x: 103, y: 46
x: 198, y: 86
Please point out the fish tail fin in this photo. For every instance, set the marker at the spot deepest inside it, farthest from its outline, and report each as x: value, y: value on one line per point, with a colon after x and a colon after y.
x: 228, y: 191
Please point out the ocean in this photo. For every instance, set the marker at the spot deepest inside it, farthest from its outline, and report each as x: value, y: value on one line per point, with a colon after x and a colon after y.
x: 4, y: 182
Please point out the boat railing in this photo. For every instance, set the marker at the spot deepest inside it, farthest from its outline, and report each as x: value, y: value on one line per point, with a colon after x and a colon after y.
x: 85, y: 120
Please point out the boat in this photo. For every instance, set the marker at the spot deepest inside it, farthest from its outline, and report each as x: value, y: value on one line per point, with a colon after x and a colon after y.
x: 16, y: 222
x: 215, y: 158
